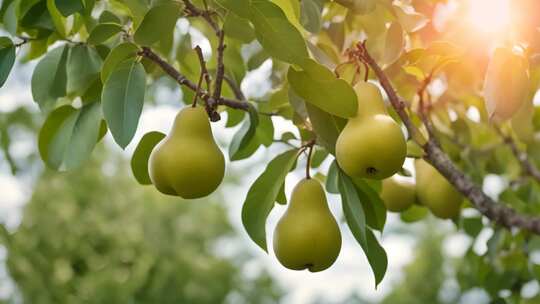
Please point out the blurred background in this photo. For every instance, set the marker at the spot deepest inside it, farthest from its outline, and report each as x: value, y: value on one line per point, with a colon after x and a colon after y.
x: 95, y: 236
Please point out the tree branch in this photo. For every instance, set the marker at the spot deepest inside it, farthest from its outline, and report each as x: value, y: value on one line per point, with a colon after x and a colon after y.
x: 496, y: 212
x: 182, y: 80
x: 220, y: 66
x: 193, y: 11
x: 527, y: 166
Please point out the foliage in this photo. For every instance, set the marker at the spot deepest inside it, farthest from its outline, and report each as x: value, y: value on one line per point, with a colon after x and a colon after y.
x: 96, y: 237
x: 96, y: 60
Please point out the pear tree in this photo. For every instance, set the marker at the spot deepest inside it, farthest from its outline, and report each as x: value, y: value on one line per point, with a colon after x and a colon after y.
x: 367, y: 85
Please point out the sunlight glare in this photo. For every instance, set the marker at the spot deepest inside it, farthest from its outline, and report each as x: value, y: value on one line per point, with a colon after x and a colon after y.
x: 489, y: 16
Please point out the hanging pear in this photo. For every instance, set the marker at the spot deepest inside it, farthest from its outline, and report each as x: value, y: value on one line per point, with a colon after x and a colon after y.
x: 187, y: 163
x: 372, y: 144
x: 435, y: 192
x: 398, y: 195
x: 307, y: 236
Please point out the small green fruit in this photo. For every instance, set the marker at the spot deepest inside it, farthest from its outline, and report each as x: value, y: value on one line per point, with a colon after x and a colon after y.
x: 372, y: 144
x: 398, y: 195
x: 307, y: 236
x: 187, y: 162
x: 435, y: 192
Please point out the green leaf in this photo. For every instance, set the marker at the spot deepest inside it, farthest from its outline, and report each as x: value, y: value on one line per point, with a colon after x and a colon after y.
x: 410, y: 20
x: 102, y: 32
x: 157, y: 24
x: 332, y: 179
x: 317, y: 85
x: 123, y: 98
x: 352, y: 208
x: 359, y: 6
x: 372, y: 205
x: 239, y: 7
x: 238, y: 28
x: 264, y: 135
x: 69, y: 7
x: 377, y: 258
x: 84, y: 65
x: 244, y: 135
x: 57, y: 18
x: 139, y: 161
x: 7, y: 58
x: 326, y: 126
x: 118, y: 54
x: 395, y: 41
x: 262, y: 195
x: 49, y: 80
x: 311, y: 15
x: 68, y: 136
x: 276, y: 34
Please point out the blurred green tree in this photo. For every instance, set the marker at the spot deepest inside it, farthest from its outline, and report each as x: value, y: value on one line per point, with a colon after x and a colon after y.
x: 94, y: 236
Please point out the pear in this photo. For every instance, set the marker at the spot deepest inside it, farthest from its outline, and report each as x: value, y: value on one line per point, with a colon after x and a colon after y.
x: 435, y: 192
x: 187, y: 163
x: 398, y: 195
x: 372, y: 144
x: 307, y: 236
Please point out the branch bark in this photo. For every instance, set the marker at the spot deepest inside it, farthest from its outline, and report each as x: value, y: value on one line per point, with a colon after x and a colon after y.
x: 527, y: 166
x: 497, y: 212
x: 182, y: 80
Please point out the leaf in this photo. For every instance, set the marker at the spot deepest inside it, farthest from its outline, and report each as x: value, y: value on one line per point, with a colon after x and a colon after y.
x: 239, y: 7
x: 394, y: 43
x: 372, y: 205
x: 69, y: 7
x: 262, y: 195
x: 102, y: 32
x: 118, y: 54
x: 332, y: 179
x: 326, y: 126
x: 409, y: 19
x: 84, y: 65
x: 317, y: 85
x: 57, y: 18
x: 49, y: 80
x: 123, y: 98
x: 352, y: 208
x: 139, y: 161
x: 244, y: 135
x: 157, y: 24
x: 361, y: 7
x: 68, y: 136
x: 377, y: 258
x: 7, y: 58
x: 276, y: 34
x: 238, y: 28
x: 311, y: 15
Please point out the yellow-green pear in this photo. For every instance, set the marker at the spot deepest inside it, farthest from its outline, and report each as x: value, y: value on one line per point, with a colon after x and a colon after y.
x: 307, y: 236
x: 187, y: 163
x: 398, y: 195
x: 372, y: 144
x: 435, y: 192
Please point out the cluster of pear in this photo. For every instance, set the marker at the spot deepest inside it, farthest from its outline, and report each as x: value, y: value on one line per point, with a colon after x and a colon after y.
x: 188, y: 162
x: 431, y: 190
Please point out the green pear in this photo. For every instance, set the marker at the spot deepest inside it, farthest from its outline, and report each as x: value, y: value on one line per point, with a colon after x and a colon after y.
x: 187, y: 163
x: 398, y: 195
x: 372, y: 144
x: 307, y: 236
x: 435, y: 192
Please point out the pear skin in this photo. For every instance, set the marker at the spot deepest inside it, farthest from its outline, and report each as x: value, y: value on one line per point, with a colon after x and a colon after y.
x: 307, y: 236
x: 372, y: 144
x: 187, y: 163
x: 398, y: 195
x: 435, y: 192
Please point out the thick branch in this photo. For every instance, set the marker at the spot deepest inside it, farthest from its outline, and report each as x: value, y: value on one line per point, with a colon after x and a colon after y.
x: 182, y: 80
x: 496, y: 212
x: 220, y: 66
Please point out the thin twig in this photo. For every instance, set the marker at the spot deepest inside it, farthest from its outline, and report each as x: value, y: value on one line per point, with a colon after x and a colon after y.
x: 220, y: 66
x: 193, y: 11
x: 497, y: 212
x: 528, y: 167
x: 237, y: 91
x: 182, y: 80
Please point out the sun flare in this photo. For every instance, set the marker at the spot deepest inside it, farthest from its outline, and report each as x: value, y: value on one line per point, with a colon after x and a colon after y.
x: 489, y: 16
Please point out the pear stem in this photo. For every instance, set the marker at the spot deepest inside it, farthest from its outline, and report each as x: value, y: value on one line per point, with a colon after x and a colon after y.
x: 309, y: 147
